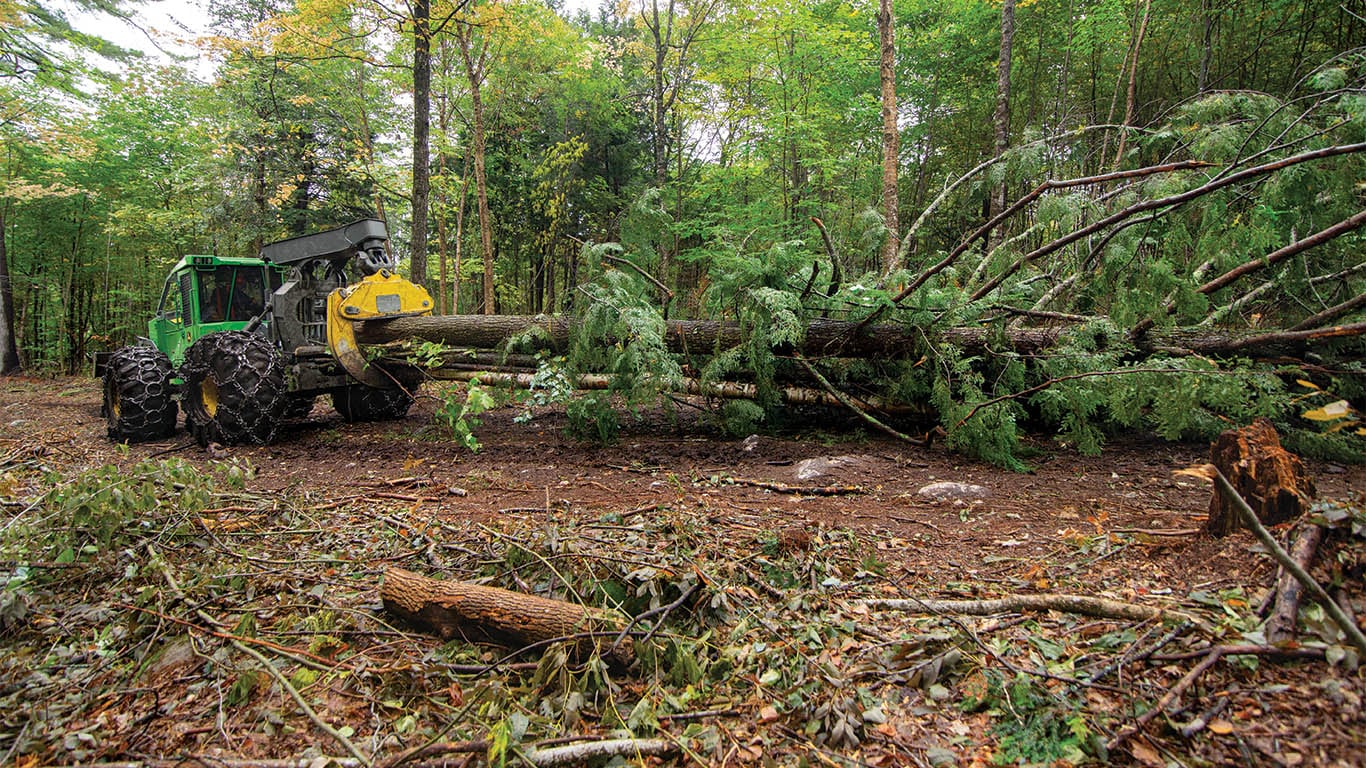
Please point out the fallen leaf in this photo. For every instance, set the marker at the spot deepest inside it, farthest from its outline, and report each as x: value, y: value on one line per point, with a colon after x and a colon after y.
x: 768, y: 714
x: 1221, y: 727
x: 1146, y: 755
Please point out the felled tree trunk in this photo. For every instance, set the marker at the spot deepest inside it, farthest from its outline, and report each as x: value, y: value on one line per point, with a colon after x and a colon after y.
x: 1271, y: 479
x: 456, y: 609
x: 835, y: 338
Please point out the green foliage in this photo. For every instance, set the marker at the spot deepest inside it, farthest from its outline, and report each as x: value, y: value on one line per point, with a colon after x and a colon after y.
x: 92, y: 516
x: 1034, y: 726
x: 459, y: 410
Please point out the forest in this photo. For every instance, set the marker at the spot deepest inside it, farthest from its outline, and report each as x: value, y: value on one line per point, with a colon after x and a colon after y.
x: 1103, y: 169
x: 843, y: 370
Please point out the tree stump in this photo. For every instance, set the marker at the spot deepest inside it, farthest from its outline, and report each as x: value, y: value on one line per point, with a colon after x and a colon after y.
x: 1271, y: 479
x: 454, y: 609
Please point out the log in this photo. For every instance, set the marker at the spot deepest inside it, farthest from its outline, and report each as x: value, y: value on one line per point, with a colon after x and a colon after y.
x: 835, y: 338
x: 1271, y: 479
x: 1280, y: 627
x: 690, y: 386
x: 478, y: 613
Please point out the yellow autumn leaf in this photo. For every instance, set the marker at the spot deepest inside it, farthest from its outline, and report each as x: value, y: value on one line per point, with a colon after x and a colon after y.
x: 1339, y: 409
x: 1306, y: 384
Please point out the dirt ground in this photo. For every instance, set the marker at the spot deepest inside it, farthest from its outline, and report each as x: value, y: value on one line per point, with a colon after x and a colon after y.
x: 1121, y: 526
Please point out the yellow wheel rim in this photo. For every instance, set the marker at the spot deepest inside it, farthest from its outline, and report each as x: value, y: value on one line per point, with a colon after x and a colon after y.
x: 208, y: 395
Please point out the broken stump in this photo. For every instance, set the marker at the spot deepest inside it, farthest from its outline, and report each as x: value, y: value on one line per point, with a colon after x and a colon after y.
x: 1270, y: 479
x: 475, y: 612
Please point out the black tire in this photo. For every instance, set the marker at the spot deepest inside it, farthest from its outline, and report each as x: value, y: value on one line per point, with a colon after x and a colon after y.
x: 139, y: 399
x: 298, y: 407
x: 361, y: 403
x: 234, y: 388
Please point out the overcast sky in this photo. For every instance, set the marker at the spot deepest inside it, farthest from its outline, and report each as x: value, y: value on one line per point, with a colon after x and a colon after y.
x: 172, y: 25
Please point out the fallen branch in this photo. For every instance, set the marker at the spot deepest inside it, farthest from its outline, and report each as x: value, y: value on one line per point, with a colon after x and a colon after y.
x: 1162, y: 202
x: 1274, y: 548
x: 1080, y: 604
x: 583, y: 752
x: 1281, y: 626
x: 288, y: 687
x: 862, y: 413
x: 1211, y: 658
x: 799, y: 490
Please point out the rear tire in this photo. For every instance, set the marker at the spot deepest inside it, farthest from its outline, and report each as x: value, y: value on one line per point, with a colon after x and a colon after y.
x: 298, y: 407
x: 139, y: 401
x: 358, y: 402
x: 234, y: 388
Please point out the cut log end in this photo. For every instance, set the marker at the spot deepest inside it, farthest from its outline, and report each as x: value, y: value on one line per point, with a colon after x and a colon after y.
x: 1270, y: 478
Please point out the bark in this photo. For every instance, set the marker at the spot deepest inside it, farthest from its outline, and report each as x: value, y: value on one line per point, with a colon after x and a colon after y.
x: 839, y: 338
x: 886, y: 24
x: 1270, y: 478
x: 1281, y: 626
x: 422, y: 108
x: 457, y: 609
x: 731, y: 390
x: 9, y: 346
x: 1079, y: 604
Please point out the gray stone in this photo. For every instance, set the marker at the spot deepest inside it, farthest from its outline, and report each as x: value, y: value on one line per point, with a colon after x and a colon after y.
x: 947, y: 491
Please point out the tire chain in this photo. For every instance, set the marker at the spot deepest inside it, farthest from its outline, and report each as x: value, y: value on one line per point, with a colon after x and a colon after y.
x: 249, y: 374
x: 138, y: 396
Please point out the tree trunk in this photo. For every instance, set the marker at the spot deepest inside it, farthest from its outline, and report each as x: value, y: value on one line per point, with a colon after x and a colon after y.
x: 422, y: 108
x: 487, y: 614
x: 1131, y: 93
x: 837, y: 338
x: 9, y: 345
x: 474, y: 68
x: 1001, y: 119
x: 891, y: 248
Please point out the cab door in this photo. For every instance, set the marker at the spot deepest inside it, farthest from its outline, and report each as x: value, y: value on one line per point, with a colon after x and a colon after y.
x: 170, y: 328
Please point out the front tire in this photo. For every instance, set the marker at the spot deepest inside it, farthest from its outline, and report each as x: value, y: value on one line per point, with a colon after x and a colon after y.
x: 358, y: 402
x: 139, y: 401
x: 234, y: 388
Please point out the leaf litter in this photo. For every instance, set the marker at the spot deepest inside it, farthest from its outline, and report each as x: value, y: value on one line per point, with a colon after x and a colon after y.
x: 160, y: 605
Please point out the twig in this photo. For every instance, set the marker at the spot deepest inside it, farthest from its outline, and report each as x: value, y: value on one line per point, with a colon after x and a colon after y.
x: 801, y: 490
x: 663, y: 609
x: 1211, y: 658
x: 1330, y: 606
x: 1201, y: 722
x: 252, y: 652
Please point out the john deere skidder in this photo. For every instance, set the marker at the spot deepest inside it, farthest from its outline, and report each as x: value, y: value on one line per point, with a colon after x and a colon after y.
x: 244, y: 343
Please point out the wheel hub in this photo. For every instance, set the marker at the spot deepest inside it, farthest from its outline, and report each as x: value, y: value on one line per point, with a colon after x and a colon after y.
x: 208, y: 395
